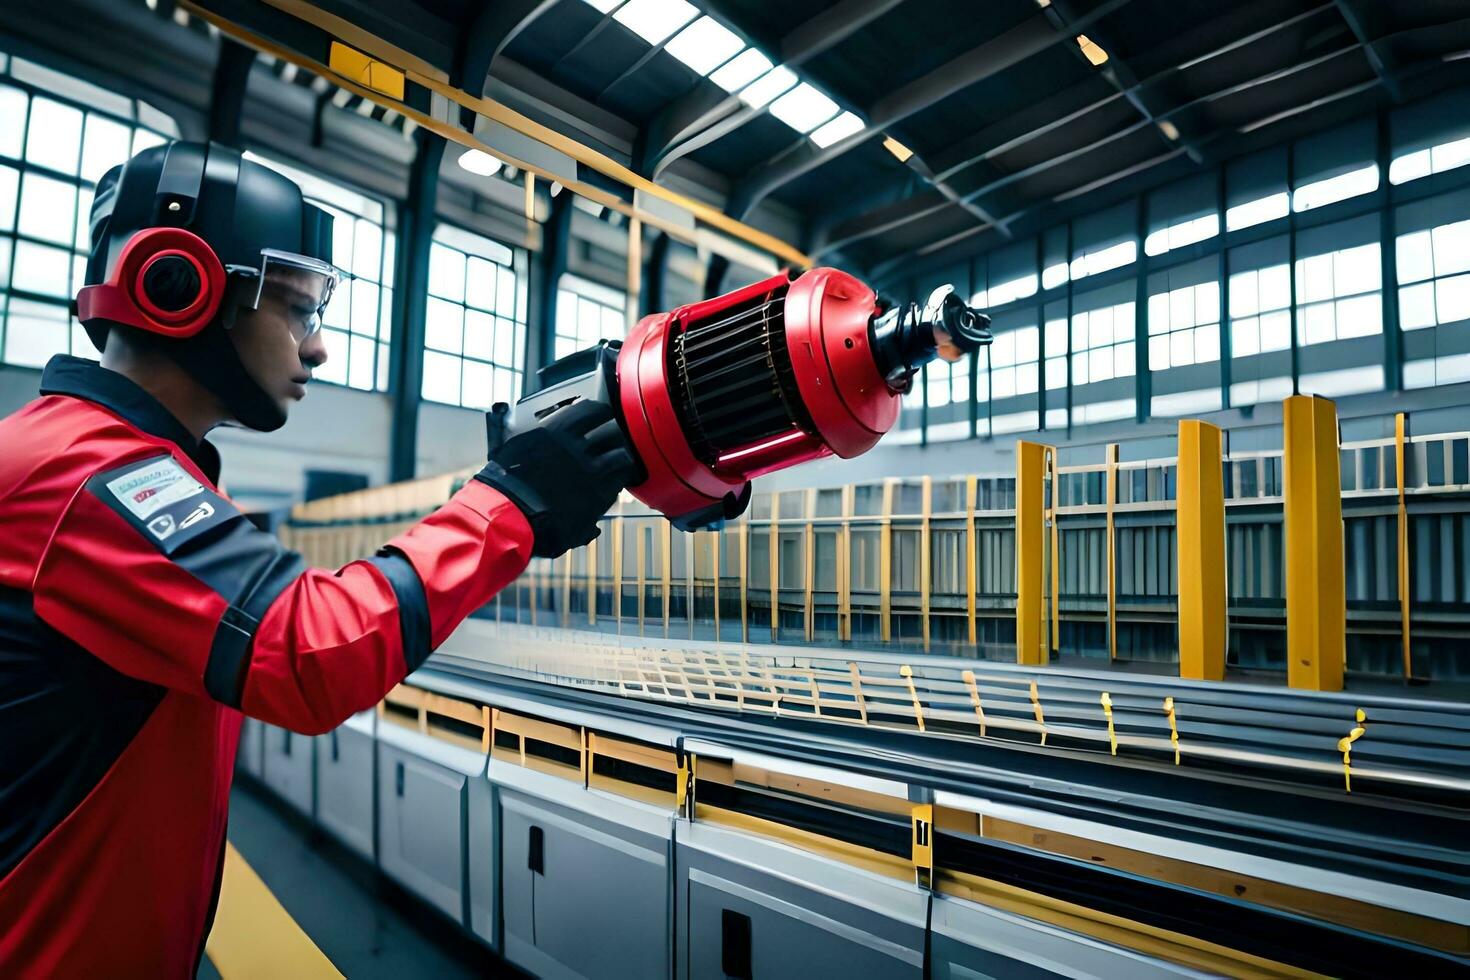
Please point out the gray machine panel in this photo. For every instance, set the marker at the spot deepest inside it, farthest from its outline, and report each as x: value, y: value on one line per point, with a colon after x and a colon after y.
x: 252, y: 746
x: 971, y: 942
x: 758, y: 908
x: 484, y: 897
x: 289, y: 767
x: 599, y: 907
x: 421, y: 827
x: 344, y: 787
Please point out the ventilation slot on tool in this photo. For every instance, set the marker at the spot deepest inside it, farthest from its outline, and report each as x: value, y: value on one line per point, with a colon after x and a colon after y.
x: 733, y: 381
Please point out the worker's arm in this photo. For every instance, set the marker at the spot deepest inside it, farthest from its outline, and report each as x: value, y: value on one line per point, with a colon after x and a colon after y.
x: 188, y: 594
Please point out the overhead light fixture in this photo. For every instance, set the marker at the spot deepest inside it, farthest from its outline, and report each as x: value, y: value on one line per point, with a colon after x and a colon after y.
x: 655, y: 20
x: 480, y: 162
x: 897, y: 149
x: 1091, y: 51
x: 838, y: 129
x: 705, y: 45
x: 1169, y: 129
x: 556, y: 188
x: 741, y: 70
x: 768, y: 86
x: 803, y: 108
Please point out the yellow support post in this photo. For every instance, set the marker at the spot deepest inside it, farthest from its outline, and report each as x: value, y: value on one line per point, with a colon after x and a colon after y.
x: 714, y: 546
x: 1031, y: 647
x: 666, y: 549
x: 774, y: 554
x: 971, y: 554
x: 744, y: 526
x: 809, y: 568
x: 925, y: 556
x: 1316, y: 606
x: 844, y: 565
x: 885, y: 565
x: 1400, y: 437
x: 592, y: 582
x: 1053, y: 556
x: 1200, y: 539
x: 1111, y: 456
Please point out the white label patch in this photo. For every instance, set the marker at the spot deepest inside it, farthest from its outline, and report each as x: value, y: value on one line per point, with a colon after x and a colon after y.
x: 152, y: 487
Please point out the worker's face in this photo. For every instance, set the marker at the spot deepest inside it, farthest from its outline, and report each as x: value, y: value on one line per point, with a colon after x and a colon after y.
x: 279, y: 342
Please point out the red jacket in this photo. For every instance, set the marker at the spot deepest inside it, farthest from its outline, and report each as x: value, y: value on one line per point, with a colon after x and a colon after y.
x: 140, y: 614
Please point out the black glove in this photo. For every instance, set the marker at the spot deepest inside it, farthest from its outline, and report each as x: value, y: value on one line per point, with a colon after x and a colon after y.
x: 563, y: 474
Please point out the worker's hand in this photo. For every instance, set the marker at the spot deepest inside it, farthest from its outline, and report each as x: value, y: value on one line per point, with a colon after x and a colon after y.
x: 564, y: 474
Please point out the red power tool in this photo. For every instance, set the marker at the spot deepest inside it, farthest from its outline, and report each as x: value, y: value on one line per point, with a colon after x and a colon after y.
x: 790, y: 369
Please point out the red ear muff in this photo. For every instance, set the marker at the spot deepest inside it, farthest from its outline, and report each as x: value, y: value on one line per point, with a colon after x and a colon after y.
x: 167, y: 281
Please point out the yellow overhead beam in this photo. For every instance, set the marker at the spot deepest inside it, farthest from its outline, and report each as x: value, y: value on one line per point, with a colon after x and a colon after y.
x: 1316, y: 607
x: 435, y: 80
x: 1200, y: 538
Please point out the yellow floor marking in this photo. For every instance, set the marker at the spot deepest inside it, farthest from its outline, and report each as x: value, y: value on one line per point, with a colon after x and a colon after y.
x: 254, y: 936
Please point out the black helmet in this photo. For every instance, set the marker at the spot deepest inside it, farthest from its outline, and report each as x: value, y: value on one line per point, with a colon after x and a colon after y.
x: 183, y: 236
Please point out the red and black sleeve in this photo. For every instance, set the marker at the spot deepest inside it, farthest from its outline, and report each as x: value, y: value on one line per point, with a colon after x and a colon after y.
x: 166, y: 581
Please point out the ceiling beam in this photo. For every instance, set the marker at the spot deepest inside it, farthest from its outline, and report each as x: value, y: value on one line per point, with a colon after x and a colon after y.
x: 1353, y: 16
x: 707, y: 113
x: 985, y: 60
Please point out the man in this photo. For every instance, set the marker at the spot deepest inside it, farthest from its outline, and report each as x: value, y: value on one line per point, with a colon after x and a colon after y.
x: 141, y: 613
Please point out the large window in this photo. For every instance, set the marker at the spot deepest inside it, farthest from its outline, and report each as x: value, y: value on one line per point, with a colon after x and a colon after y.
x: 1103, y: 344
x: 1337, y: 295
x: 1184, y: 326
x: 1260, y: 311
x: 948, y: 383
x: 358, y: 323
x: 475, y: 327
x: 1434, y: 276
x: 58, y: 135
x: 586, y: 313
x: 1013, y: 362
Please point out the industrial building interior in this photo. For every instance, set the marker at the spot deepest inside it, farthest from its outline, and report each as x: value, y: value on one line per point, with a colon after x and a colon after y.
x: 1121, y: 629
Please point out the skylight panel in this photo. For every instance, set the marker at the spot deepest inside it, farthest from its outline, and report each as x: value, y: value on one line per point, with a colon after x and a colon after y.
x: 741, y: 70
x: 838, y: 129
x: 705, y: 45
x: 803, y: 108
x: 655, y: 20
x: 768, y: 86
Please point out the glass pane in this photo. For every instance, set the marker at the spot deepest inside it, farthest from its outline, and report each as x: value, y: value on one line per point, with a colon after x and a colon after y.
x: 1100, y: 367
x: 477, y: 387
x: 441, y: 378
x: 54, y: 136
x: 1028, y: 345
x: 4, y: 272
x: 42, y: 269
x: 613, y: 325
x: 342, y: 238
x: 334, y: 369
x: 12, y: 120
x: 339, y: 310
x: 1124, y: 360
x: 446, y: 272
x: 505, y: 292
x: 1452, y: 299
x: 367, y: 251
x: 1357, y: 270
x: 1244, y: 299
x: 106, y: 146
x: 1452, y: 248
x: 1416, y: 306
x: 360, y: 364
x: 1207, y: 343
x: 479, y: 335
x: 1415, y: 258
x: 505, y: 336
x: 1158, y: 353
x: 1276, y: 331
x: 34, y: 332
x: 443, y: 326
x: 9, y: 196
x: 382, y: 379
x: 1275, y: 288
x: 1360, y: 316
x: 480, y: 284
x: 1207, y: 303
x: 364, y: 306
x: 83, y: 240
x: 47, y: 208
x: 144, y: 138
